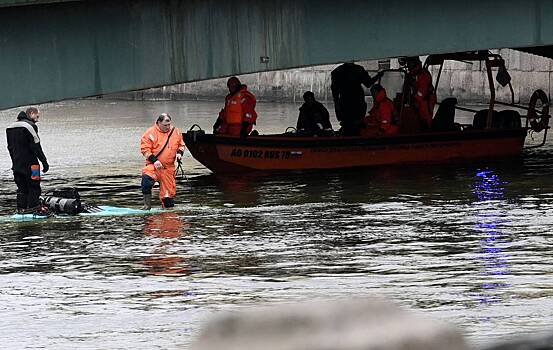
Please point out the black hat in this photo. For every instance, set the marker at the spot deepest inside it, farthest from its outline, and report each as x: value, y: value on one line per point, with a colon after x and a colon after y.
x: 308, y: 94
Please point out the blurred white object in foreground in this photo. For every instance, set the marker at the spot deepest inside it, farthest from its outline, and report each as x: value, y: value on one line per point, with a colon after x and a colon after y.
x: 358, y: 324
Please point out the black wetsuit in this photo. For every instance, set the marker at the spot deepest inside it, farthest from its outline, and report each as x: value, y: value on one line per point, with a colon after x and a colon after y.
x: 349, y: 96
x: 25, y: 152
x: 313, y: 118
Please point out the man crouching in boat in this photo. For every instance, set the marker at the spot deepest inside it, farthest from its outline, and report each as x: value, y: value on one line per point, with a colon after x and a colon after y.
x: 238, y: 116
x: 381, y: 116
x: 161, y: 145
x: 314, y: 118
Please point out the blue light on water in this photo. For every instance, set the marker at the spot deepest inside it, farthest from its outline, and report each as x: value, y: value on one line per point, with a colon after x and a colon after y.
x: 489, y: 189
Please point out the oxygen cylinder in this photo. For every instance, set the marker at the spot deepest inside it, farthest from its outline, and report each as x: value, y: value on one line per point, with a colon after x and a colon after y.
x: 71, y: 206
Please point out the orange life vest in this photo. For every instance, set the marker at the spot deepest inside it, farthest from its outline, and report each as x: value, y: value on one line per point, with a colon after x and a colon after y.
x: 239, y: 108
x: 234, y: 110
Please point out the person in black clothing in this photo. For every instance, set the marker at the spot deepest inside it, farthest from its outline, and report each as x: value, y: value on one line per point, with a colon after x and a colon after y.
x: 25, y: 152
x: 314, y: 118
x: 349, y: 96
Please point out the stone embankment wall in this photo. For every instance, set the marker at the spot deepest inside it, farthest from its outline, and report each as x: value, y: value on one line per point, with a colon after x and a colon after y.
x: 469, y: 82
x: 466, y: 82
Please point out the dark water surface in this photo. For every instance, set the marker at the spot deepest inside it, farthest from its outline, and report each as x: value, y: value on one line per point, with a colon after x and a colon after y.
x: 469, y: 244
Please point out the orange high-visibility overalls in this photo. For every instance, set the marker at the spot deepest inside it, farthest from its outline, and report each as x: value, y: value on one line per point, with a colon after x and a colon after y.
x: 151, y: 143
x: 239, y: 108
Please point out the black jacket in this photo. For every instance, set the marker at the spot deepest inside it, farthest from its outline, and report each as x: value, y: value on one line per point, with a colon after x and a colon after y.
x: 347, y: 91
x: 346, y: 81
x: 313, y: 118
x: 24, y: 144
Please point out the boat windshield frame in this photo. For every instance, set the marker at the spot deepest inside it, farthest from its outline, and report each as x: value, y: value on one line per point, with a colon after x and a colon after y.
x: 490, y: 59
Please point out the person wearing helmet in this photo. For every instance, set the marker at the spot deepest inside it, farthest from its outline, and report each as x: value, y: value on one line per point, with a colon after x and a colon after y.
x: 314, y: 118
x: 422, y: 91
x: 161, y: 145
x: 349, y: 96
x: 238, y: 116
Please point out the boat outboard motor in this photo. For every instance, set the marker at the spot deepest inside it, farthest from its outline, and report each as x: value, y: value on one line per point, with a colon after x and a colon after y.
x: 64, y: 201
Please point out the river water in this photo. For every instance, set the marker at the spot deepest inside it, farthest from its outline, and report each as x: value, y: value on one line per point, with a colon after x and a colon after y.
x: 468, y: 244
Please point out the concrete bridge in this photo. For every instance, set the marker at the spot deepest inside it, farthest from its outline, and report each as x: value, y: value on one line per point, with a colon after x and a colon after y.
x: 53, y: 50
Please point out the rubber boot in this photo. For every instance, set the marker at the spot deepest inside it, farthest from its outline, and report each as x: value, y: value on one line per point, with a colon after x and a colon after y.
x: 147, y: 201
x: 168, y: 202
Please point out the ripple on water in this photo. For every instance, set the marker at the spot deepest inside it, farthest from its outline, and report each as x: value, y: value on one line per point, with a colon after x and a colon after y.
x: 464, y: 243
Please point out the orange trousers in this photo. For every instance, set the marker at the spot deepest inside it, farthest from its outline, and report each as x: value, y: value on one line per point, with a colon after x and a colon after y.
x: 166, y: 179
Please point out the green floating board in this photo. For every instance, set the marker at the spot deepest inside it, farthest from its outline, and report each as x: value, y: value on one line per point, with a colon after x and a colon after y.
x: 106, y: 210
x: 115, y: 211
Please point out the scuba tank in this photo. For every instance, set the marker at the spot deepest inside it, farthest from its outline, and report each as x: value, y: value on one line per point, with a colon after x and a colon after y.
x: 64, y: 200
x: 63, y: 205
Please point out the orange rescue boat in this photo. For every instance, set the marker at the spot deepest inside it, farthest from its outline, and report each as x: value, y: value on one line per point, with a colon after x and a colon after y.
x: 492, y: 135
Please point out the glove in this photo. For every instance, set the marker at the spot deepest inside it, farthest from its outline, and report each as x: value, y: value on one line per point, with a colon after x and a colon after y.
x: 179, y: 157
x: 45, y: 167
x: 152, y: 158
x: 158, y: 165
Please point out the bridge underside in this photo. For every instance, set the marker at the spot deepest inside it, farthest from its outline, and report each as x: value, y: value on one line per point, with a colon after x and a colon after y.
x: 54, y: 50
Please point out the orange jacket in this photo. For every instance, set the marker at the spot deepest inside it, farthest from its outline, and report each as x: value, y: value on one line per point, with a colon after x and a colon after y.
x: 423, y: 92
x: 240, y: 107
x: 382, y: 113
x: 154, y: 139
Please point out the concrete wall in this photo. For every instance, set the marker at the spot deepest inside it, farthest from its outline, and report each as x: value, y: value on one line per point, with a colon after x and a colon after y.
x: 470, y: 83
x: 467, y: 82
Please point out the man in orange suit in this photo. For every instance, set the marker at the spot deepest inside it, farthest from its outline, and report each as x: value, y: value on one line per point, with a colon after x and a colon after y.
x: 161, y: 145
x: 238, y: 116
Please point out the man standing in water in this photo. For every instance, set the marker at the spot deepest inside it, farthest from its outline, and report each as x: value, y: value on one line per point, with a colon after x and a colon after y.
x: 25, y: 151
x: 161, y: 145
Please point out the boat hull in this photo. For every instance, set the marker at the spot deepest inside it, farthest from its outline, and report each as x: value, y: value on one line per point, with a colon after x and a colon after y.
x: 224, y: 154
